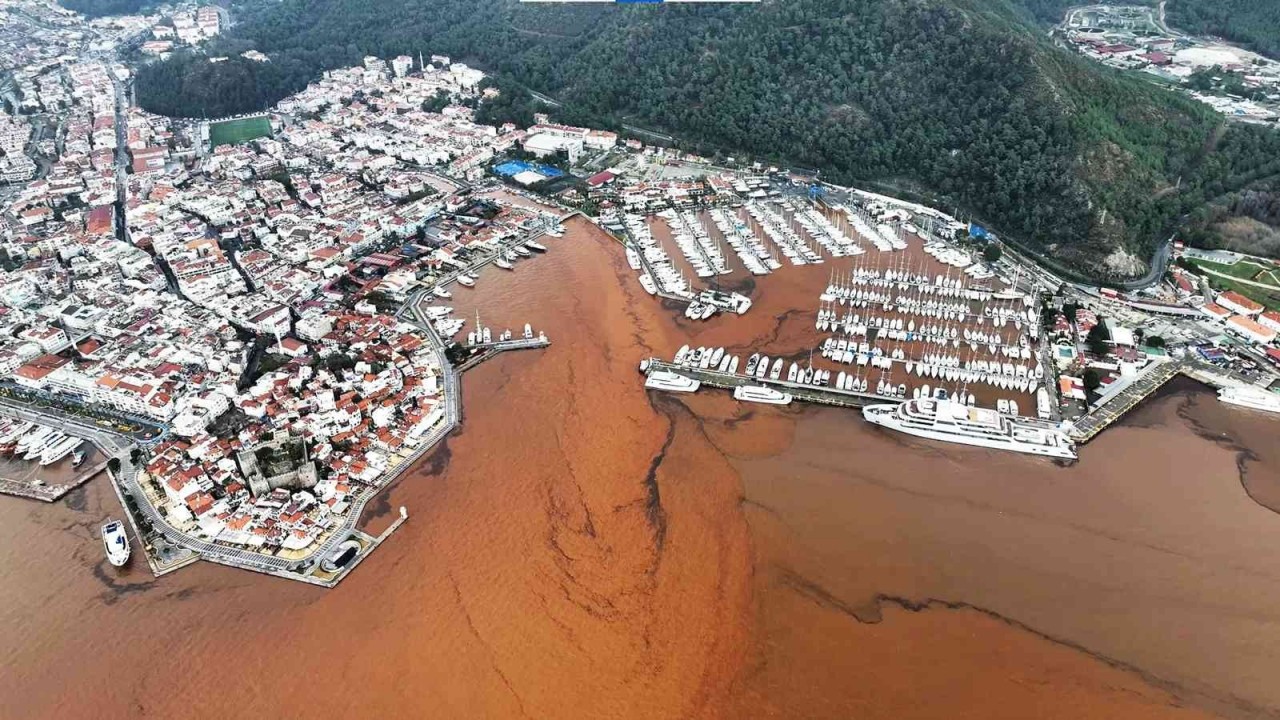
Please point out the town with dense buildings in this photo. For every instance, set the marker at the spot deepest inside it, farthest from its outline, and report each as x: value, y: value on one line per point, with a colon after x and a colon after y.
x: 247, y: 308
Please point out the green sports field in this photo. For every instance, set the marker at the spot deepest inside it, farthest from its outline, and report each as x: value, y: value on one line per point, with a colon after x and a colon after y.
x: 230, y: 132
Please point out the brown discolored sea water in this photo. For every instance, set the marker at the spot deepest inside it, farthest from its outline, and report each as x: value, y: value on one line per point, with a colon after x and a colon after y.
x: 584, y: 549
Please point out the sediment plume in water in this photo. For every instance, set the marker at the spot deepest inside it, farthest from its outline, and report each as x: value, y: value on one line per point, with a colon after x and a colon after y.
x: 593, y: 550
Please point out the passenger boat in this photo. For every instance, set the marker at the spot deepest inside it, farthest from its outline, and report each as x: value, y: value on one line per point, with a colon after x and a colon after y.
x: 116, y: 542
x: 761, y: 394
x: 951, y: 421
x: 1251, y: 397
x: 671, y: 382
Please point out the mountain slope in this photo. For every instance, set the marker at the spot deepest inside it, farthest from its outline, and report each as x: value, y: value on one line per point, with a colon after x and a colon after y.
x: 964, y: 102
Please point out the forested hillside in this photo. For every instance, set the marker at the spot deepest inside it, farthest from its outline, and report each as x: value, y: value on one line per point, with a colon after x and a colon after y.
x: 1254, y: 24
x: 964, y: 102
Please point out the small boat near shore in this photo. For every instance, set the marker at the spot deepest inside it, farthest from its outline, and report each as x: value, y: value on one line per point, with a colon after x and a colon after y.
x: 116, y: 542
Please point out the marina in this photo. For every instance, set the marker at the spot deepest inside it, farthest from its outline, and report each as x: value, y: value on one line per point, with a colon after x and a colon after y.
x: 41, y: 462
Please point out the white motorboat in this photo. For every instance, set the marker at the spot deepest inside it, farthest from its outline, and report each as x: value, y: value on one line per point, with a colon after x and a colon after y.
x: 671, y: 382
x: 116, y: 542
x: 761, y: 394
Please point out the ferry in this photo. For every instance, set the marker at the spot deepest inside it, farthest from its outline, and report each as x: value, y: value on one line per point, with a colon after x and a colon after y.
x: 951, y: 421
x: 671, y: 382
x: 59, y: 450
x: 761, y: 394
x: 466, y: 280
x: 116, y: 542
x: 1249, y: 396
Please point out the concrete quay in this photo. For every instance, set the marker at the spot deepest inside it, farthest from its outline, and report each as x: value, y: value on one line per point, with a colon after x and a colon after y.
x: 1116, y: 406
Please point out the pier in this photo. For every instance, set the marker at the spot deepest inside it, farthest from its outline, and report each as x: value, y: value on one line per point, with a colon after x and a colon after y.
x: 819, y: 394
x: 490, y: 350
x: 1112, y: 408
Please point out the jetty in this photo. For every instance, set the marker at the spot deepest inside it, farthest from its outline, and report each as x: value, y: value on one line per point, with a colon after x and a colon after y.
x: 1116, y: 404
x: 819, y: 394
x: 490, y: 350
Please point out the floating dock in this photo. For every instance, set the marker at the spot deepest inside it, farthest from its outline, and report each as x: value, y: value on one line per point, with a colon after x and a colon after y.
x: 820, y: 394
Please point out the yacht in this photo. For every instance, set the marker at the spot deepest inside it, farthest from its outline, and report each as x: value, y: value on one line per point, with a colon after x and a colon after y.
x: 59, y: 450
x: 116, y: 542
x: 33, y: 437
x: 648, y: 284
x: 1249, y: 396
x: 466, y: 280
x: 633, y: 258
x: 671, y: 382
x: 36, y: 449
x: 441, y: 292
x: 951, y: 421
x: 503, y: 263
x: 761, y: 394
x: 536, y: 246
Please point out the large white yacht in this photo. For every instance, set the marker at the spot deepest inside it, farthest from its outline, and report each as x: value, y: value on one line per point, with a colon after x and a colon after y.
x: 950, y: 421
x: 671, y: 382
x: 1251, y: 397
